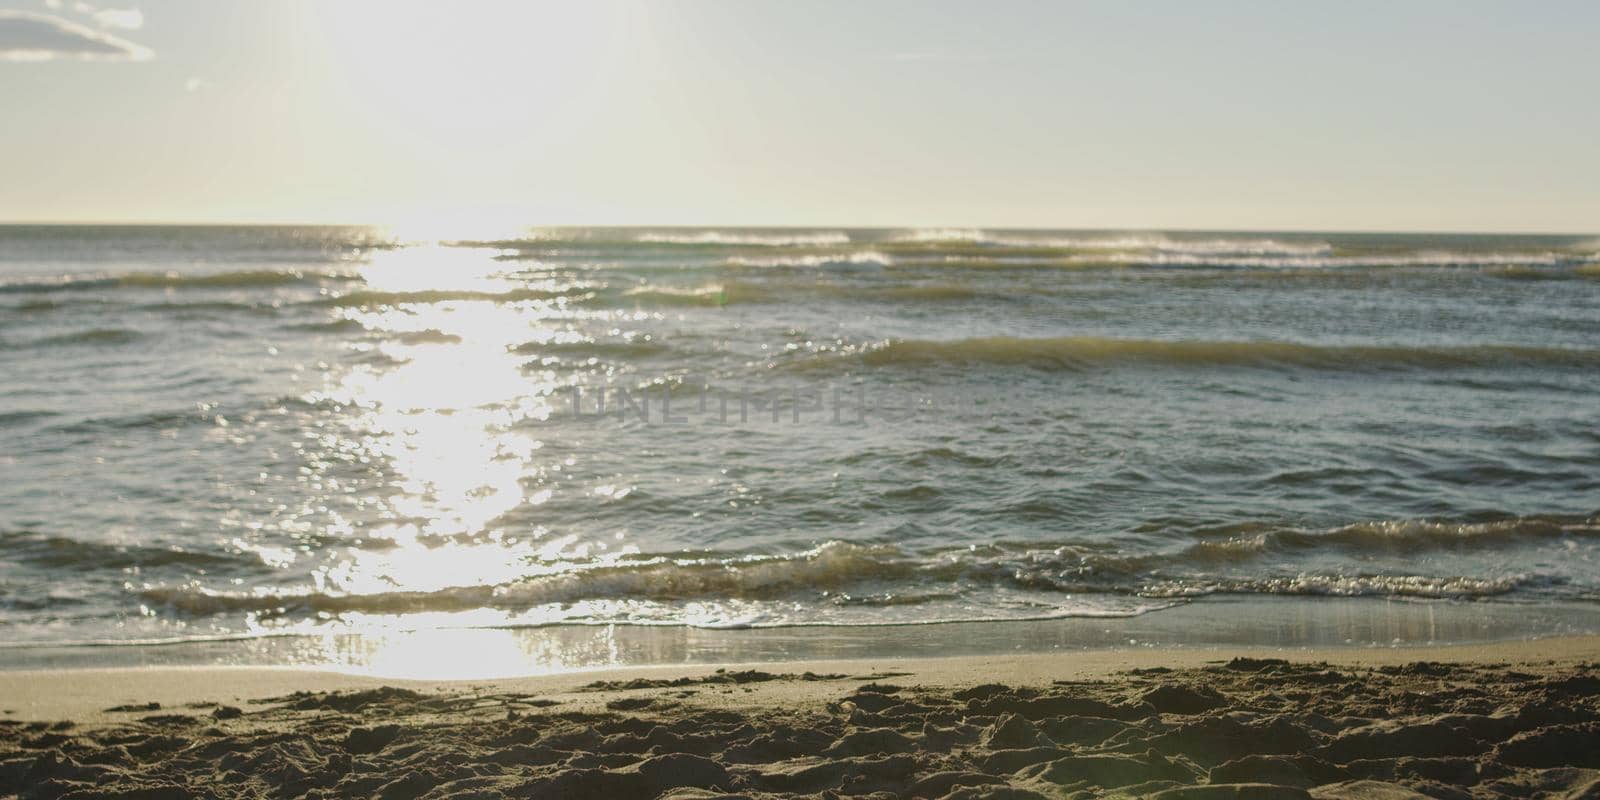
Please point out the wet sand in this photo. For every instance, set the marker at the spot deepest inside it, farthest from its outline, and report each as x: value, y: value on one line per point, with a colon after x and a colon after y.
x: 1516, y: 719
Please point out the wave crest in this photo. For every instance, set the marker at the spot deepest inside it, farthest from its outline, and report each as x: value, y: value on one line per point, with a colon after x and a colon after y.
x: 860, y: 258
x: 1079, y: 353
x: 850, y: 574
x: 247, y: 279
x: 748, y: 239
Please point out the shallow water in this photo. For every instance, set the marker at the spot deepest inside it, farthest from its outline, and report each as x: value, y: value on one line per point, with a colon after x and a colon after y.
x: 225, y: 432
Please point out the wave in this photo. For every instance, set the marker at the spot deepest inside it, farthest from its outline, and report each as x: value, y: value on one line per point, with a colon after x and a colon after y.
x: 220, y: 307
x: 1159, y: 243
x: 625, y: 237
x: 1250, y: 543
x: 748, y: 238
x: 25, y: 415
x: 929, y: 292
x: 713, y: 295
x: 832, y: 565
x: 134, y: 421
x: 249, y: 279
x: 368, y: 297
x: 1080, y: 353
x: 1550, y: 266
x: 852, y: 574
x: 62, y: 552
x: 342, y: 325
x: 665, y: 588
x: 1558, y: 263
x: 592, y: 348
x: 92, y: 337
x: 730, y: 292
x: 1415, y: 259
x: 974, y: 247
x: 858, y: 258
x: 1419, y: 586
x: 1413, y: 535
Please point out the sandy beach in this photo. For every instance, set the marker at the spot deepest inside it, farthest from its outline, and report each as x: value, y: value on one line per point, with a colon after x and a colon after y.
x: 1515, y: 719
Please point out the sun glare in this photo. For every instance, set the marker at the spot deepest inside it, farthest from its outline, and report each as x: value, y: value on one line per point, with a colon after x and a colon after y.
x: 439, y: 403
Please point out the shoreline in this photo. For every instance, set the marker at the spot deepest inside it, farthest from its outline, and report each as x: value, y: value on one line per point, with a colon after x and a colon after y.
x: 1287, y: 624
x: 83, y: 695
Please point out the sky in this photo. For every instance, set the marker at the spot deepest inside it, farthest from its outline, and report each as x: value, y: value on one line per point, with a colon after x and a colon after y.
x: 1421, y: 115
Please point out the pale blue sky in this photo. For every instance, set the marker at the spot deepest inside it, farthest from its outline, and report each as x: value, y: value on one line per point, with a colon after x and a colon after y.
x: 1283, y: 115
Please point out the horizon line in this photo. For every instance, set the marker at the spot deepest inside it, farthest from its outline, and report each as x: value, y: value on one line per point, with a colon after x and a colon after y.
x: 790, y: 226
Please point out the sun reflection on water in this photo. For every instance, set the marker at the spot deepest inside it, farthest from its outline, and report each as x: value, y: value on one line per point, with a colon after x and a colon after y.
x: 441, y: 414
x: 436, y: 653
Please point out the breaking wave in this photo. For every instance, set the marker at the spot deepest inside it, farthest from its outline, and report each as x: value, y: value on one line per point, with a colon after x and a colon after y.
x: 1157, y: 243
x: 249, y: 279
x: 718, y: 294
x: 1078, y: 353
x: 748, y: 238
x: 1184, y: 258
x: 844, y: 573
x: 861, y: 258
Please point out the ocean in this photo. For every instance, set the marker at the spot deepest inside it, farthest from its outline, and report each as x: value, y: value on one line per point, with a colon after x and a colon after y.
x: 221, y: 436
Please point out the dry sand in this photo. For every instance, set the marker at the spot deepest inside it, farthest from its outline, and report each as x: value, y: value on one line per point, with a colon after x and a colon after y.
x: 1515, y: 719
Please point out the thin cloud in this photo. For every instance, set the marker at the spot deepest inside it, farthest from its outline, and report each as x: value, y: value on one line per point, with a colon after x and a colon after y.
x: 26, y: 36
x: 130, y: 19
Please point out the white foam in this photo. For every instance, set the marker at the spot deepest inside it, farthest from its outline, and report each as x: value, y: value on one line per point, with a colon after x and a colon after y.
x: 858, y: 258
x: 746, y: 238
